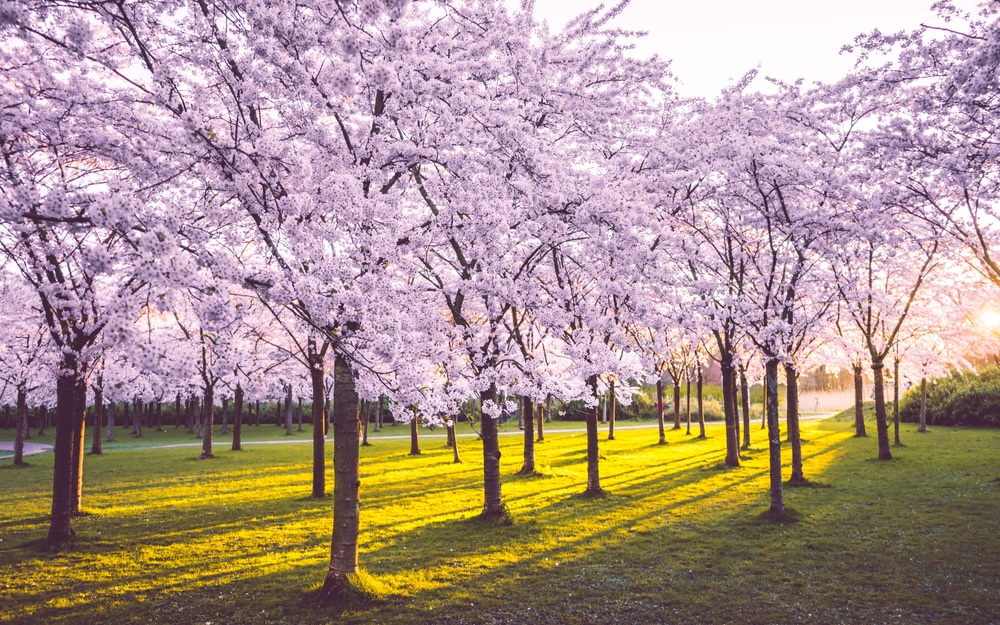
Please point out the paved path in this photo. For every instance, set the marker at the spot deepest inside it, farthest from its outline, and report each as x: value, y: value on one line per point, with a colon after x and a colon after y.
x: 29, y: 449
x: 37, y: 448
x: 423, y: 435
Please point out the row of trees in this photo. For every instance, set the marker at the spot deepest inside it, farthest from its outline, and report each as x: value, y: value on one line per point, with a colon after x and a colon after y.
x: 436, y: 201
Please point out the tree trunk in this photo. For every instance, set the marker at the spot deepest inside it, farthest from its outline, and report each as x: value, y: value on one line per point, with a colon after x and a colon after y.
x: 20, y: 427
x: 774, y: 435
x: 238, y: 419
x: 733, y: 388
x: 159, y: 416
x: 225, y: 416
x: 859, y: 403
x: 923, y: 405
x: 493, y: 503
x: 79, y: 439
x: 729, y: 408
x: 593, y: 451
x: 378, y: 415
x: 299, y: 416
x: 71, y: 394
x: 95, y: 445
x: 177, y: 411
x: 612, y: 410
x: 318, y: 433
x: 289, y: 409
x: 452, y: 426
x: 208, y: 422
x: 528, y: 414
x: 677, y: 402
x: 792, y: 418
x: 366, y: 411
x: 701, y: 404
x: 346, y: 483
x: 548, y: 408
x: 111, y: 423
x: 541, y: 424
x: 659, y: 410
x: 687, y: 403
x: 414, y: 437
x: 745, y: 404
x: 881, y: 422
x: 895, y: 401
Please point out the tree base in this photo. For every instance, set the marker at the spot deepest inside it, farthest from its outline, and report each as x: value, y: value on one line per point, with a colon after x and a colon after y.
x: 351, y: 591
x: 782, y: 516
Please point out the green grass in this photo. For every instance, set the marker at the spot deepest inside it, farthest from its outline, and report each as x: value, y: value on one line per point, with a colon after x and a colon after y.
x: 237, y: 539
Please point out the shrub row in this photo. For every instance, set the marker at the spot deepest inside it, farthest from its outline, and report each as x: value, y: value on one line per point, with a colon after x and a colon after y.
x: 961, y: 398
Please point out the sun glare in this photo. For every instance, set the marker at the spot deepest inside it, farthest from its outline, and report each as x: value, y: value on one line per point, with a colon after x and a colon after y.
x: 990, y: 319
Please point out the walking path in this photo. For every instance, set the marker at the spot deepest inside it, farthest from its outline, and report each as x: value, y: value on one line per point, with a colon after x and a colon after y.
x: 29, y: 449
x: 37, y: 448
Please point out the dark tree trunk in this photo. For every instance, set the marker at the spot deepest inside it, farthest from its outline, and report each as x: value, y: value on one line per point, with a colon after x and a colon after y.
x: 189, y: 414
x: 859, y: 403
x: 208, y: 422
x: 699, y: 382
x: 238, y: 419
x: 895, y: 401
x: 745, y: 404
x: 528, y: 414
x: 366, y: 412
x: 733, y: 392
x: 923, y: 405
x: 159, y: 416
x: 378, y: 415
x: 277, y: 414
x: 659, y: 410
x: 881, y: 421
x: 548, y: 408
x: 20, y: 427
x: 318, y: 434
x: 792, y: 418
x: 493, y: 502
x: 774, y: 435
x: 95, y: 445
x: 43, y: 414
x: 687, y: 402
x: 452, y: 424
x: 593, y: 451
x: 346, y: 482
x: 414, y: 436
x: 177, y: 411
x: 289, y: 409
x: 71, y: 394
x: 299, y: 416
x: 677, y: 402
x: 137, y: 419
x: 541, y: 424
x: 729, y: 408
x: 612, y: 411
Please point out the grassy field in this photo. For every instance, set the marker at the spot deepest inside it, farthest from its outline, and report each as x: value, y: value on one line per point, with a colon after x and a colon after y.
x: 678, y: 539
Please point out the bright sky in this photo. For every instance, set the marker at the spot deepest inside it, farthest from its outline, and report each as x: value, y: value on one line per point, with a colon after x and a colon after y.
x: 714, y: 42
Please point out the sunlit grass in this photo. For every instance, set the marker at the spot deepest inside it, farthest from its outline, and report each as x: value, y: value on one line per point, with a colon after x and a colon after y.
x: 678, y: 538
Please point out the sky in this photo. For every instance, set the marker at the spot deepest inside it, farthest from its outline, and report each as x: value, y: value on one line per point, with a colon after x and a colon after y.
x: 713, y: 43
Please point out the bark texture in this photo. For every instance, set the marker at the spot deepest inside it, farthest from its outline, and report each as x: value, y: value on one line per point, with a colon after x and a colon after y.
x: 347, y: 481
x: 774, y: 436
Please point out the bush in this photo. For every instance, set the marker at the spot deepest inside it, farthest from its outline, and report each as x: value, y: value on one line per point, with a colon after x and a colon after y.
x: 962, y: 398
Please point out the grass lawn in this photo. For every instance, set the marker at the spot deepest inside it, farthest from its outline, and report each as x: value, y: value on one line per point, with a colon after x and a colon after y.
x: 678, y: 539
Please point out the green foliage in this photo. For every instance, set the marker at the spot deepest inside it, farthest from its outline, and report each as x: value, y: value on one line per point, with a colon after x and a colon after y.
x: 174, y: 541
x: 970, y: 398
